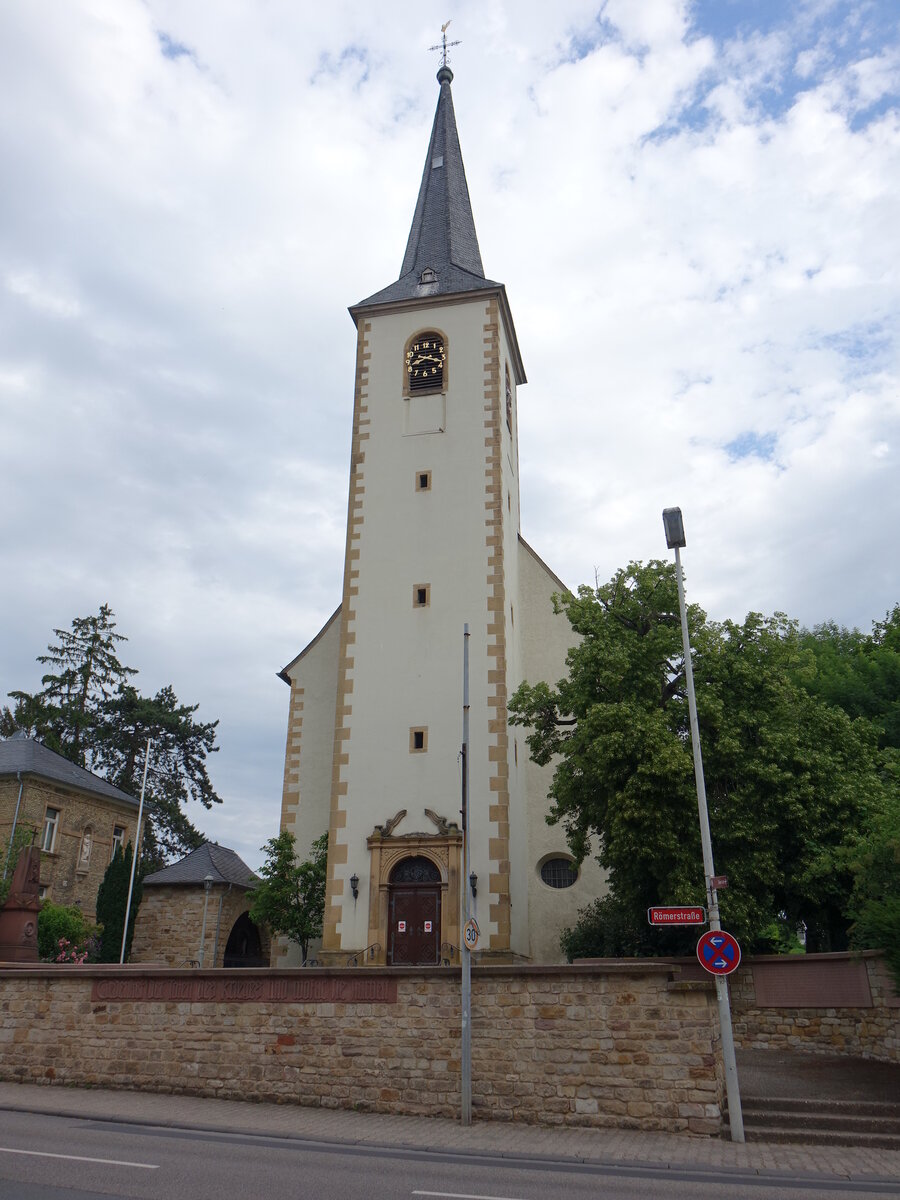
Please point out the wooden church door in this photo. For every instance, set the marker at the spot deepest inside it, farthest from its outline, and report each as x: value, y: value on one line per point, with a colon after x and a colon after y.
x: 414, y: 914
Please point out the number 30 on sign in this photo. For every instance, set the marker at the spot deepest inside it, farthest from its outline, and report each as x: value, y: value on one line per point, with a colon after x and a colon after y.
x: 470, y: 934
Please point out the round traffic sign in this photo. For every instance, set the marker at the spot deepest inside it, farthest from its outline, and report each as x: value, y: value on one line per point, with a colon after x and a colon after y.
x: 718, y: 952
x: 470, y: 934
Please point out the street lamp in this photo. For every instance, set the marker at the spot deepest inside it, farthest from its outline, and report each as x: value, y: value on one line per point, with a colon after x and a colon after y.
x: 208, y: 881
x: 673, y: 523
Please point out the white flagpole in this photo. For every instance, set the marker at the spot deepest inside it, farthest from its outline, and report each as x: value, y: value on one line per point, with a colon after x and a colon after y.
x: 136, y: 854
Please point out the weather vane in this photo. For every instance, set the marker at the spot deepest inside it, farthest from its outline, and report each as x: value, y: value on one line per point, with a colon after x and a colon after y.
x: 444, y: 45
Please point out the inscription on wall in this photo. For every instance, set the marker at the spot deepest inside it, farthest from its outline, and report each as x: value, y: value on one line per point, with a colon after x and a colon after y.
x: 267, y: 990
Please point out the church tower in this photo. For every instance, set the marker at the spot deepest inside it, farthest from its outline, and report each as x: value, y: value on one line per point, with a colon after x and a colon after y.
x: 432, y: 543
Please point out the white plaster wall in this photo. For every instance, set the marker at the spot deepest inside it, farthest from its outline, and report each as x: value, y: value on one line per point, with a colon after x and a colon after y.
x: 408, y: 662
x: 316, y: 672
x: 545, y: 640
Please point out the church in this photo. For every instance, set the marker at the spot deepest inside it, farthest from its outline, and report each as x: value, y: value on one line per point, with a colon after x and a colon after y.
x: 433, y: 546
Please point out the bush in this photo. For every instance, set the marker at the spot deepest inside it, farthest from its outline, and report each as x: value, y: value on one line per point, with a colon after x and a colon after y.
x: 56, y: 924
x: 609, y: 928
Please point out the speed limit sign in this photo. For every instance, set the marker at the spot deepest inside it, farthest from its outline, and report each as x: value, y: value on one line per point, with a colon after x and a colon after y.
x: 470, y: 934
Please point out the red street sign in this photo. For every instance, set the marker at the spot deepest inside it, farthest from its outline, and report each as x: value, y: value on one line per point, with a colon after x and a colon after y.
x: 677, y: 915
x: 719, y: 882
x: 718, y: 952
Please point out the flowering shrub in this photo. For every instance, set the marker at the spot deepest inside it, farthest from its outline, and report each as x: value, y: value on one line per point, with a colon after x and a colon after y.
x: 56, y: 923
x: 69, y: 953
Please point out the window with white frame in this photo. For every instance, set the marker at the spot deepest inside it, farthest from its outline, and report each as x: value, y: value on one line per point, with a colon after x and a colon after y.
x: 51, y: 825
x: 118, y: 841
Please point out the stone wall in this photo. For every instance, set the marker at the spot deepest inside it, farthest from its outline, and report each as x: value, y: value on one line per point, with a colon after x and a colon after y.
x: 831, y: 1003
x: 613, y: 1046
x: 169, y: 924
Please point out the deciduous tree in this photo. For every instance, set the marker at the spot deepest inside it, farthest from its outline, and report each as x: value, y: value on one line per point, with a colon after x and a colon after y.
x: 790, y: 780
x: 290, y: 900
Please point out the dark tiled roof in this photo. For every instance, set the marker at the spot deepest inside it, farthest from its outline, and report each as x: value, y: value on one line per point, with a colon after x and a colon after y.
x: 210, y: 859
x: 442, y: 236
x: 30, y: 757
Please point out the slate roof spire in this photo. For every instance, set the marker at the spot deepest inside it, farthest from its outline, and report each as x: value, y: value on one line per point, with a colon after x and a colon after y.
x: 442, y: 254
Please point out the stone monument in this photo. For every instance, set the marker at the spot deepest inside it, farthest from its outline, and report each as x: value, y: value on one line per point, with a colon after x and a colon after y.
x: 18, y: 917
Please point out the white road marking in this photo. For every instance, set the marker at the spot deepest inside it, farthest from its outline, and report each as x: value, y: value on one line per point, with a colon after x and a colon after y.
x: 110, y: 1162
x: 462, y: 1196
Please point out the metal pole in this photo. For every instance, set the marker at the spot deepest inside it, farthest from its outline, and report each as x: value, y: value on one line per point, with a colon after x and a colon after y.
x: 136, y: 854
x: 466, y: 1047
x: 732, y: 1090
x: 207, y: 884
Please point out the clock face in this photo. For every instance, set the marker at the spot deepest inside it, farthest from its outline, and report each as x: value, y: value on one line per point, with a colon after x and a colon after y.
x: 425, y: 361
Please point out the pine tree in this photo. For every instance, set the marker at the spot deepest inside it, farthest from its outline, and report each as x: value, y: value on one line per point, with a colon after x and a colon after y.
x: 112, y: 897
x: 89, y: 712
x: 67, y: 715
x: 177, y: 771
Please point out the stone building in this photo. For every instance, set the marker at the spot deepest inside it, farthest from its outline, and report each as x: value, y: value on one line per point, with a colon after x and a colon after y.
x: 195, y: 913
x: 77, y: 819
x: 433, y: 544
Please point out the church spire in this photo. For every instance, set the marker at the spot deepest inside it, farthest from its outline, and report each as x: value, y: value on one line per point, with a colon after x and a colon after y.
x: 442, y: 254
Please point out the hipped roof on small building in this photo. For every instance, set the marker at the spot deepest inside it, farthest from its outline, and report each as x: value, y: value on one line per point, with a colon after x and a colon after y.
x: 26, y: 756
x: 209, y: 859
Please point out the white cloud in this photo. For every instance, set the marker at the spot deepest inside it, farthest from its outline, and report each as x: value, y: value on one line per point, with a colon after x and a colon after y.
x: 698, y: 236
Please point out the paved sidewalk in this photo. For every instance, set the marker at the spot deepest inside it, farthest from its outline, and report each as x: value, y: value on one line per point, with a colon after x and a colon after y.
x: 621, y: 1147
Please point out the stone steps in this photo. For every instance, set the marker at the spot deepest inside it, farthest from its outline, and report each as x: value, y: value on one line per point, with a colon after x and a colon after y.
x: 865, y: 1123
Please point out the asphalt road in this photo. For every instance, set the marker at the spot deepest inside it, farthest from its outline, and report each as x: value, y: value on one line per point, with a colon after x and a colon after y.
x: 60, y: 1158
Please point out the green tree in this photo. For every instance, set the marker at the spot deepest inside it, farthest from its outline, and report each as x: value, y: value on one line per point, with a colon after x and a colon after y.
x: 788, y: 777
x: 177, y: 771
x: 112, y: 898
x: 89, y: 712
x: 859, y: 673
x: 290, y: 900
x: 67, y: 715
x: 875, y: 903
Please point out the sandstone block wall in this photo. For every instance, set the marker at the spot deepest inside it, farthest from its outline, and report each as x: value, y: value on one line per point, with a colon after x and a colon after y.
x: 833, y: 1004
x: 612, y: 1047
x: 169, y: 925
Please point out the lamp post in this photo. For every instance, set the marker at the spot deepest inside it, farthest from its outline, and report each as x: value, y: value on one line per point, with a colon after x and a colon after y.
x: 673, y: 524
x: 208, y: 881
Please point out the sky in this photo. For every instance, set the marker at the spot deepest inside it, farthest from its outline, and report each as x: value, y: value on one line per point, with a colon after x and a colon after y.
x: 693, y: 206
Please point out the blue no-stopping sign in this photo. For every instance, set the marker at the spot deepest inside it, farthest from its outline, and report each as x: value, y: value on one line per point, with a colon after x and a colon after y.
x: 719, y: 952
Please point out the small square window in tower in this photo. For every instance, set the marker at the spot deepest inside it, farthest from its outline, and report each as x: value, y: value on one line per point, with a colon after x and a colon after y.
x: 425, y: 360
x: 421, y: 595
x: 418, y: 740
x: 423, y: 481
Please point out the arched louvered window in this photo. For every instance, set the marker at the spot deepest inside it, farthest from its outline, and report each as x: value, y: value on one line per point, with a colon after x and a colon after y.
x: 425, y: 360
